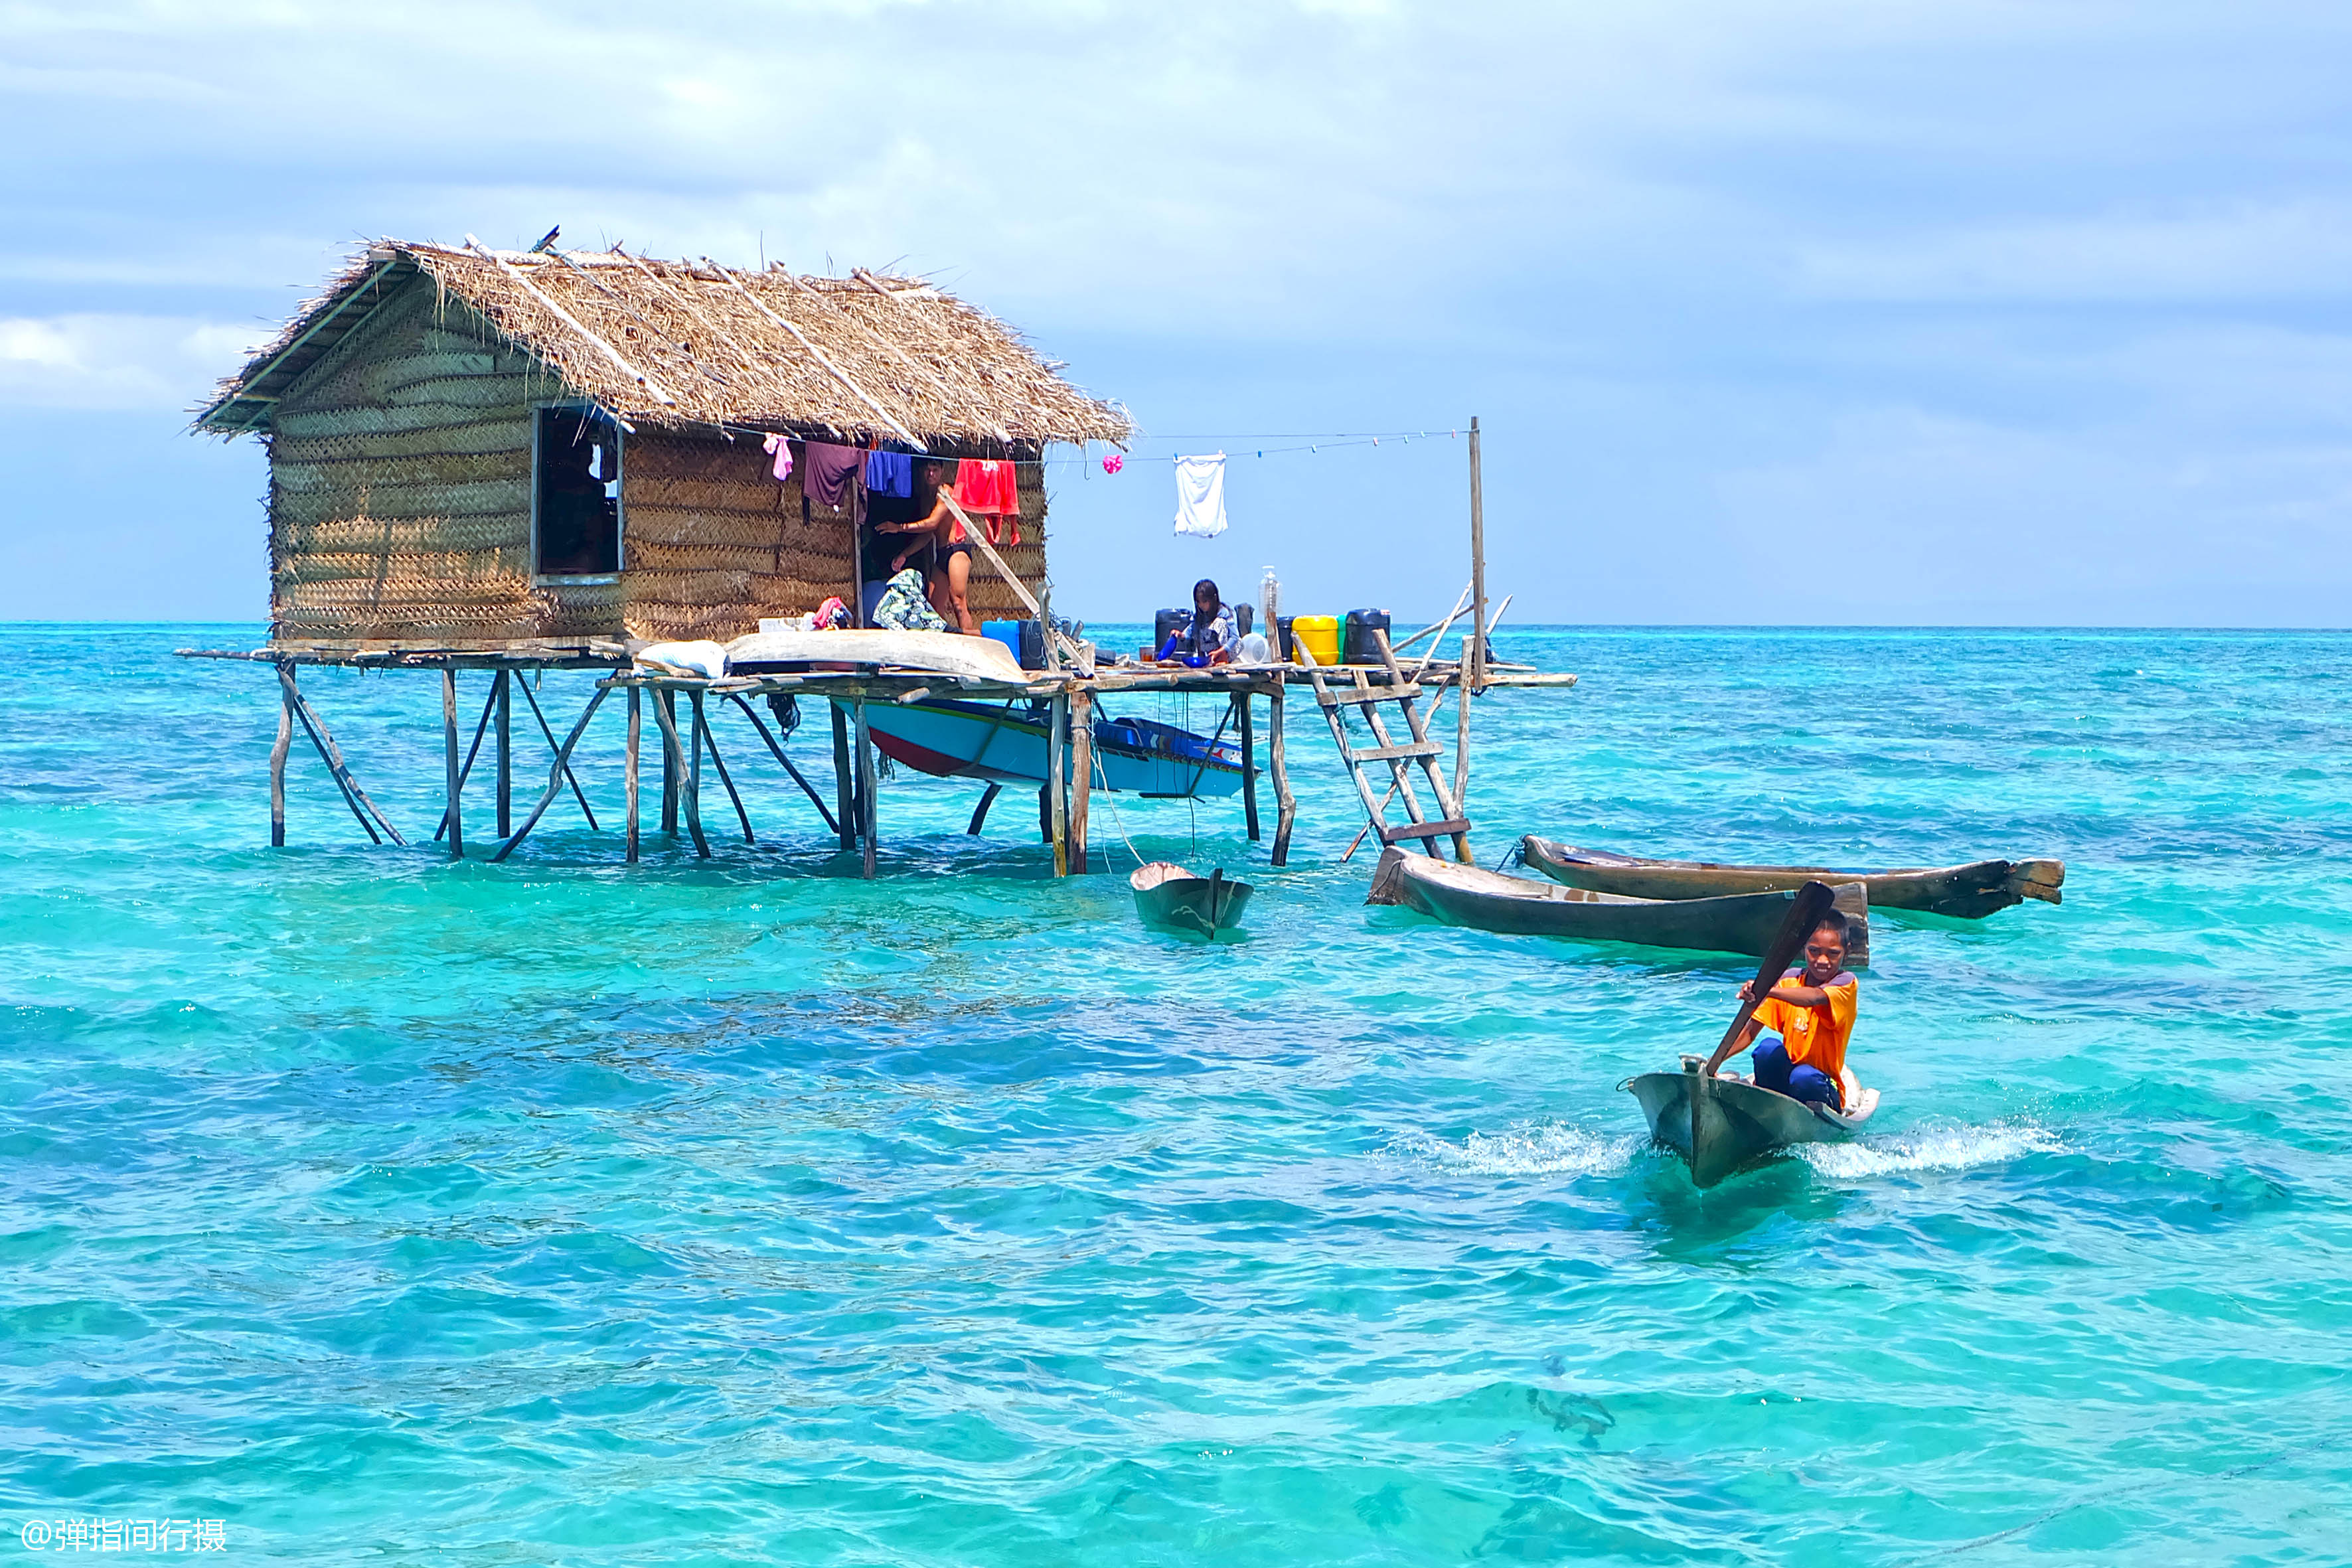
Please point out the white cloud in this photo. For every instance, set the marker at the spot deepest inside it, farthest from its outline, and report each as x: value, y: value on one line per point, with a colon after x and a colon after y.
x: 113, y: 362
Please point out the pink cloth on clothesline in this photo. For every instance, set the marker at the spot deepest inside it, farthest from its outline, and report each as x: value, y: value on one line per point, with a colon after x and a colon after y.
x: 1113, y: 463
x: 782, y: 449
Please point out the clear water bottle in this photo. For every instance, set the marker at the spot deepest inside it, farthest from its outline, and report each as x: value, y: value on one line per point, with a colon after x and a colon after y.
x: 1269, y: 601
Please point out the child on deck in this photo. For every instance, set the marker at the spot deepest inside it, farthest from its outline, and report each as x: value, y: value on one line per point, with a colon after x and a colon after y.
x: 1812, y: 1011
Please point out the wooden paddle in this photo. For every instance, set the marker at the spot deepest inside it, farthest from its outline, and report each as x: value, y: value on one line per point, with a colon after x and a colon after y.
x: 1812, y: 903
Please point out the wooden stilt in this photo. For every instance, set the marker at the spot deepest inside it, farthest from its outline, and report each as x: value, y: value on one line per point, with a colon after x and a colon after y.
x: 1287, y: 805
x: 693, y: 796
x: 980, y: 812
x: 629, y: 768
x: 1082, y: 764
x: 867, y: 811
x: 502, y: 694
x: 556, y: 773
x: 674, y: 763
x: 324, y: 739
x: 845, y: 787
x: 449, y: 748
x: 1057, y: 746
x: 577, y: 792
x: 702, y: 727
x: 799, y: 778
x: 277, y: 761
x: 481, y: 728
x: 1246, y: 700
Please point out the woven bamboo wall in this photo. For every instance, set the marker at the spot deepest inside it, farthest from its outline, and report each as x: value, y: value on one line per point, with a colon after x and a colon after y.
x: 399, y: 485
x: 712, y: 542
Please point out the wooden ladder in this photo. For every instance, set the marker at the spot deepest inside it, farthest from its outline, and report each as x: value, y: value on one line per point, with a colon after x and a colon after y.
x: 1406, y: 693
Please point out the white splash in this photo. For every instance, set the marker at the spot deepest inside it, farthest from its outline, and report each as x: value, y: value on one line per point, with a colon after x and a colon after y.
x: 1931, y: 1149
x: 1553, y: 1149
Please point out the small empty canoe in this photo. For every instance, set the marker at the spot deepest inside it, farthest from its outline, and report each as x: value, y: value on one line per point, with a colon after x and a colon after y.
x: 1520, y: 906
x: 1719, y: 1124
x: 1971, y: 891
x: 1166, y: 894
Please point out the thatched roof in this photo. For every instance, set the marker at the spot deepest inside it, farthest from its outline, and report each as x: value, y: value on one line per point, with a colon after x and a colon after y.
x: 674, y: 343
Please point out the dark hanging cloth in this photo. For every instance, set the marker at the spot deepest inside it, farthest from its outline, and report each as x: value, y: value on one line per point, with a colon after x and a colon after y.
x: 890, y: 473
x: 830, y: 471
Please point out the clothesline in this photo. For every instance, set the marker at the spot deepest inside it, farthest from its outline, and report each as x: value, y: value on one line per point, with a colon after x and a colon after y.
x: 1313, y: 443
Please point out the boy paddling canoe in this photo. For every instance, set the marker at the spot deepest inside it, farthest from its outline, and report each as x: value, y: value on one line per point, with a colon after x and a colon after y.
x: 1812, y: 1011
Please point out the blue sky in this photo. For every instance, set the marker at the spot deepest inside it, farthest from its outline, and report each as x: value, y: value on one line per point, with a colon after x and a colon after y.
x: 1803, y: 311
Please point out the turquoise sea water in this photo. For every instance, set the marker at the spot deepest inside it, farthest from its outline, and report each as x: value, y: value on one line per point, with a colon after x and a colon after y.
x: 392, y: 1211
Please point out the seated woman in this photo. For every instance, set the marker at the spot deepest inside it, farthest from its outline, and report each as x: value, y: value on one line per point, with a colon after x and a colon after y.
x: 1207, y: 637
x: 950, y: 575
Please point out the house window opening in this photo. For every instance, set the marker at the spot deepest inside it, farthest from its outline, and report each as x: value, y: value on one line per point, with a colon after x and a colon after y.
x: 578, y: 498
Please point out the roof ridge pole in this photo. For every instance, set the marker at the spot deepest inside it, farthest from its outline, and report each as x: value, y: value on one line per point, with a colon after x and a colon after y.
x: 569, y: 319
x: 818, y: 354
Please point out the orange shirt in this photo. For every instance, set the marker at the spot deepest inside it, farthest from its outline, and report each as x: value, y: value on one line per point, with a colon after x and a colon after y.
x: 1816, y: 1036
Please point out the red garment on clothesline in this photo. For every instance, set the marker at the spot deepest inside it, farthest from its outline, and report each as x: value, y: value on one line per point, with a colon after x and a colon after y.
x: 984, y: 487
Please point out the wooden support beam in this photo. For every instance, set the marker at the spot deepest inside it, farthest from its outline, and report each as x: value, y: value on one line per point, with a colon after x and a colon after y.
x: 653, y: 388
x: 674, y: 758
x: 1082, y: 767
x: 481, y: 728
x: 869, y: 810
x: 1244, y: 700
x: 556, y: 773
x: 324, y: 739
x: 1286, y: 805
x: 702, y: 728
x: 1425, y: 751
x: 629, y: 766
x: 693, y: 799
x: 577, y: 792
x: 277, y: 763
x: 1057, y: 742
x: 665, y: 701
x: 454, y: 807
x: 504, y: 697
x: 980, y: 812
x: 845, y: 789
x: 807, y: 788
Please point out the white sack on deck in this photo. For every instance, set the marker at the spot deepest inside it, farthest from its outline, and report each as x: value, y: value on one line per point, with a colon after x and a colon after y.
x: 1200, y: 496
x: 706, y: 659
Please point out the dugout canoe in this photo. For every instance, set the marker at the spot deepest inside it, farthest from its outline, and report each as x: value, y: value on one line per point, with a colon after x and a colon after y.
x: 1166, y: 894
x: 1971, y: 892
x: 1521, y: 906
x: 1006, y: 742
x: 1720, y: 1124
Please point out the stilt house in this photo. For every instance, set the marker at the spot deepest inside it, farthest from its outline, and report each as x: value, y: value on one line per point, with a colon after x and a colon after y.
x: 470, y: 448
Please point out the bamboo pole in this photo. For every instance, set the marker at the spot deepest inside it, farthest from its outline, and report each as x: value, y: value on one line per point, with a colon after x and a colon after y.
x: 674, y: 760
x: 277, y: 763
x: 979, y: 813
x: 556, y: 773
x: 1082, y: 766
x: 702, y: 727
x: 449, y: 748
x: 1242, y: 699
x: 1286, y: 805
x: 807, y: 788
x: 1474, y: 649
x: 629, y: 768
x: 693, y: 797
x: 501, y: 693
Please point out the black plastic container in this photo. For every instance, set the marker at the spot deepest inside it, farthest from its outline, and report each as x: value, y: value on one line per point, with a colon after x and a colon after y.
x: 1244, y: 615
x: 1358, y: 645
x: 1282, y: 640
x: 1165, y: 625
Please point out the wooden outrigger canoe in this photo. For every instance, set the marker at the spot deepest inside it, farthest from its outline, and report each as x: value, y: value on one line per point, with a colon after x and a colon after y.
x: 1971, y: 891
x: 1719, y: 1124
x: 1166, y: 894
x: 1520, y: 906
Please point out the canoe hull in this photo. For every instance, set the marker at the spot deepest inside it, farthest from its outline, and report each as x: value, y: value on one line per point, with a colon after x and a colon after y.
x: 1721, y: 1124
x: 1519, y: 906
x: 1194, y: 904
x: 1006, y: 744
x: 1970, y: 893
